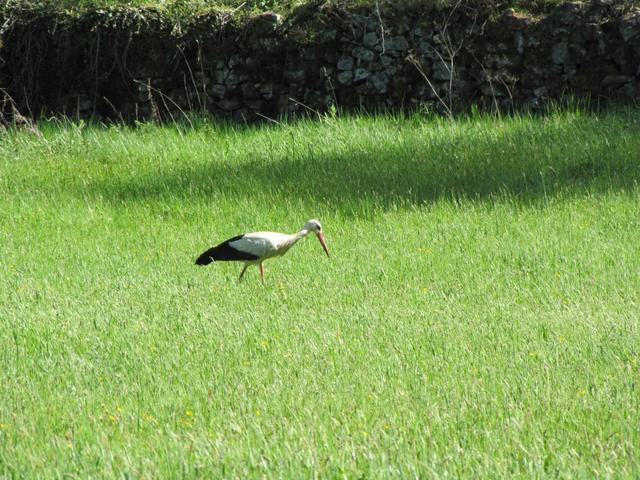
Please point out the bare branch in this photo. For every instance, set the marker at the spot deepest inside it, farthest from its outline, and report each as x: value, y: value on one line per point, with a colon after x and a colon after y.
x: 163, y: 97
x: 381, y: 26
x: 415, y: 62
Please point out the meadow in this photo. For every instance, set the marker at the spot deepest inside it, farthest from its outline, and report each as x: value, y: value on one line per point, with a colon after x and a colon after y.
x: 478, y: 316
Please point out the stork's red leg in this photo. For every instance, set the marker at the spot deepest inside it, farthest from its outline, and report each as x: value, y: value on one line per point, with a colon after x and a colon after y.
x: 261, y: 272
x: 242, y: 272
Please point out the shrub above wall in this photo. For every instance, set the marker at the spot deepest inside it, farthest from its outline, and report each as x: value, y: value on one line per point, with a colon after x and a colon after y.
x: 135, y: 62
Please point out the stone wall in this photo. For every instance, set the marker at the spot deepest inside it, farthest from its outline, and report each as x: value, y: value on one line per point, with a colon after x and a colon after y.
x: 133, y: 63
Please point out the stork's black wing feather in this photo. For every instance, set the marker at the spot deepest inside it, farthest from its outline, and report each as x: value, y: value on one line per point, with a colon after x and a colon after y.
x: 224, y: 253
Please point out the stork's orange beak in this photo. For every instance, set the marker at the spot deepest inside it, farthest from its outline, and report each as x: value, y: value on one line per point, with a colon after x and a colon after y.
x: 323, y: 242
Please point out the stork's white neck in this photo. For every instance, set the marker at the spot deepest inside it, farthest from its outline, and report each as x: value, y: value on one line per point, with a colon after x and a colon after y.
x: 290, y: 240
x: 302, y: 233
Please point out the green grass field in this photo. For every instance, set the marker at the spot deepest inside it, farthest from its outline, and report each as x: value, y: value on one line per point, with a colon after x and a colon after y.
x: 478, y: 317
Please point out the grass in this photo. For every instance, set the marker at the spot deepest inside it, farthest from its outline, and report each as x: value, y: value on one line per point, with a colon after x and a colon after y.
x: 184, y: 8
x: 478, y: 317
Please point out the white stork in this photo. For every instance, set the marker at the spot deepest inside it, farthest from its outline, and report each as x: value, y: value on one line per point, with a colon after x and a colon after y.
x: 255, y: 248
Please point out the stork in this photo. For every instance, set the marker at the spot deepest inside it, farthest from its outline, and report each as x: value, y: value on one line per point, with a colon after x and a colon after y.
x: 255, y: 248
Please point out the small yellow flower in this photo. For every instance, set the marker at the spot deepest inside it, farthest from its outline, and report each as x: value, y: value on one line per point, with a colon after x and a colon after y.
x: 365, y: 434
x: 113, y: 419
x: 264, y: 344
x: 188, y: 413
x: 257, y: 413
x: 3, y: 426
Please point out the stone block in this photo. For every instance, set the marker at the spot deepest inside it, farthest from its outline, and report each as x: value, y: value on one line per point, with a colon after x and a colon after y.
x: 294, y: 76
x: 398, y: 44
x: 560, y: 53
x: 266, y: 90
x: 379, y: 82
x: 363, y: 54
x: 441, y: 71
x: 386, y: 60
x: 370, y: 39
x: 218, y: 90
x: 256, y: 105
x: 360, y: 74
x: 228, y: 104
x: 616, y: 80
x: 345, y: 77
x: 345, y: 63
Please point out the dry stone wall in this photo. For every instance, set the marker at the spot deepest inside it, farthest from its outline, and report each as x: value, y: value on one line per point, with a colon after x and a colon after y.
x: 115, y: 64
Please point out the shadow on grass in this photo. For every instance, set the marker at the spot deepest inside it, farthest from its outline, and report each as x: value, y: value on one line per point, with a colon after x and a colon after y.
x: 523, y: 164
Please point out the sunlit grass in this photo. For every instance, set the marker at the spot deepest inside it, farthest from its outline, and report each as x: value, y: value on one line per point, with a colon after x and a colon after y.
x: 478, y: 317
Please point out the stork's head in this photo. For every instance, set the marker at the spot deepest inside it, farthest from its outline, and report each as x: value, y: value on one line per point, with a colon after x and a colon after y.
x: 315, y: 227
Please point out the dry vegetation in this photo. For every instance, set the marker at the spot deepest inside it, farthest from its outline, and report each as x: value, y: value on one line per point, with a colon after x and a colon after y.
x: 248, y: 6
